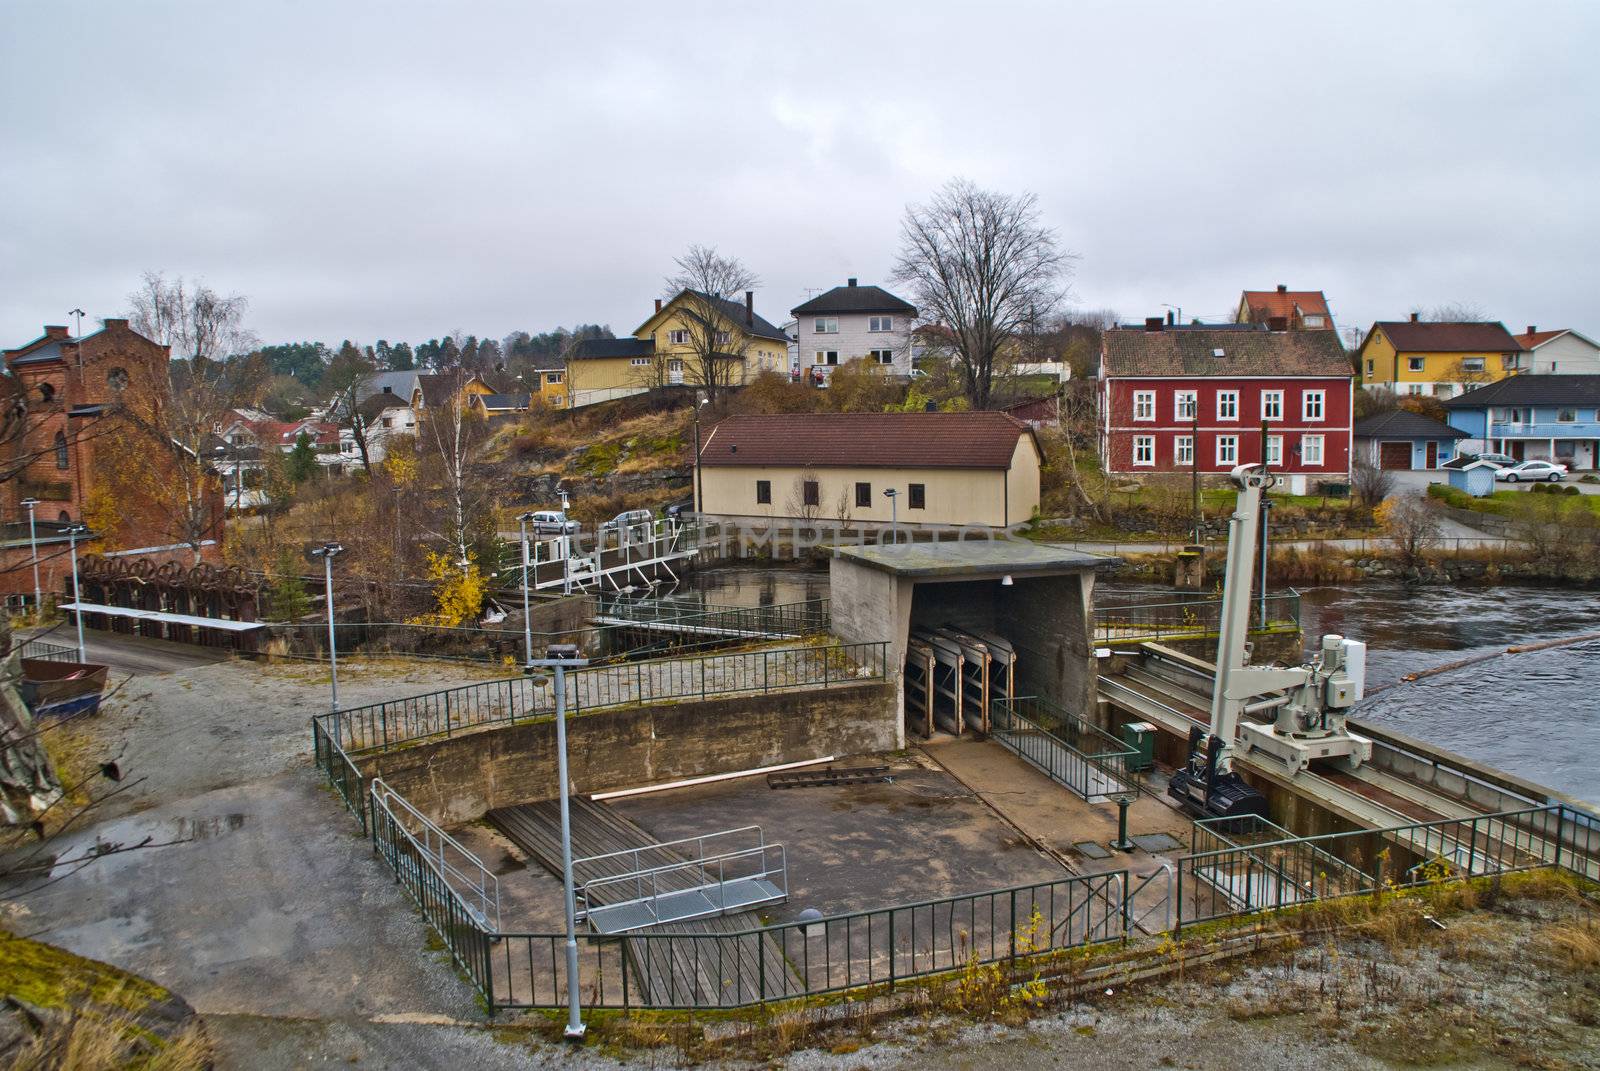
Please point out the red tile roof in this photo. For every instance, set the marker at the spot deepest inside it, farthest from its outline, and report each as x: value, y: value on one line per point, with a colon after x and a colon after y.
x: 1424, y: 336
x: 1221, y: 351
x: 983, y: 440
x: 1529, y: 339
x: 1264, y: 304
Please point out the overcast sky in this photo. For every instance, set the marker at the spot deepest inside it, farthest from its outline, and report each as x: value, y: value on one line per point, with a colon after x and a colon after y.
x: 402, y: 170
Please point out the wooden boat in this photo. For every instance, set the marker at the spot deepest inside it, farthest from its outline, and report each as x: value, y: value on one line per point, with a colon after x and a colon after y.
x: 61, y: 689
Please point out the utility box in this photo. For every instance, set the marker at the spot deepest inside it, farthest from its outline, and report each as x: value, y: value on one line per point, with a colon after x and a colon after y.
x: 1141, y: 736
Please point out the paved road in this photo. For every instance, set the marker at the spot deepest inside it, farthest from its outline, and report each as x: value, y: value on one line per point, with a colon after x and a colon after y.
x: 132, y: 654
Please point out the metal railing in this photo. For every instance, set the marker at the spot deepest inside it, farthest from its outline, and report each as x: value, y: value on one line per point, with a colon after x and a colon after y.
x: 787, y: 620
x: 1142, y: 622
x: 1244, y: 878
x: 380, y: 726
x: 1082, y: 757
x: 344, y: 776
x: 687, y: 889
x: 829, y: 955
x: 45, y: 651
x: 478, y: 888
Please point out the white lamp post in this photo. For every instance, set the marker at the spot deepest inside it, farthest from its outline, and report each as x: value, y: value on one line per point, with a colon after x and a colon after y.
x: 527, y: 621
x: 561, y: 657
x: 33, y: 544
x: 73, y: 531
x: 327, y: 552
x: 894, y: 513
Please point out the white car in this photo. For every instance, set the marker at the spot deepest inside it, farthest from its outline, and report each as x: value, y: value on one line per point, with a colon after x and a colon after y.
x: 1532, y: 470
x: 553, y: 522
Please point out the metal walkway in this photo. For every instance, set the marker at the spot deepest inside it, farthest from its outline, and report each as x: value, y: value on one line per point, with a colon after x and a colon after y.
x: 667, y: 971
x: 683, y: 880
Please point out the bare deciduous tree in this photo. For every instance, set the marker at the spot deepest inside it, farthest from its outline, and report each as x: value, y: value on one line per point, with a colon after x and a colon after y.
x: 1370, y: 484
x: 710, y: 289
x: 805, y: 496
x: 1454, y: 312
x: 982, y: 265
x: 454, y: 433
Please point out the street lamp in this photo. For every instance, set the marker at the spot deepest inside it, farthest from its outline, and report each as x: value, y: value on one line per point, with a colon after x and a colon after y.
x: 73, y: 531
x: 33, y: 544
x: 527, y: 621
x: 327, y: 552
x: 699, y: 485
x: 561, y: 657
x: 894, y: 513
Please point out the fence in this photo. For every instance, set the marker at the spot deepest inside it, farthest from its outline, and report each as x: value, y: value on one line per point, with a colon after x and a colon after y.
x: 45, y: 651
x: 1247, y: 874
x: 1142, y: 622
x: 1084, y: 758
x: 782, y: 619
x: 385, y: 725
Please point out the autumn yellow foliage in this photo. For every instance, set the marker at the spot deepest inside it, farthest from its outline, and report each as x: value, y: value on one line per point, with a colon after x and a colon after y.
x: 458, y: 590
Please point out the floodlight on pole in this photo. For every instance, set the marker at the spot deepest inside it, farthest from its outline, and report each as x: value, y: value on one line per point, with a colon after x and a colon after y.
x: 327, y: 552
x: 73, y: 531
x: 527, y: 621
x: 30, y: 504
x: 561, y: 657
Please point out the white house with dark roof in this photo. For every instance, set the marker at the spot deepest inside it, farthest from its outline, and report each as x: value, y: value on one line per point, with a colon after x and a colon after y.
x: 853, y: 322
x: 1562, y: 352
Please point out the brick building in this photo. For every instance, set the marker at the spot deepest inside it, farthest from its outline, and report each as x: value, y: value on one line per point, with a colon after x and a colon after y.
x: 1174, y: 396
x: 73, y: 389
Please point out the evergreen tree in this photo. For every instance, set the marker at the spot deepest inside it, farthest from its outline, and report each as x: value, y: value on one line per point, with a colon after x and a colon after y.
x: 302, y: 459
x: 400, y: 358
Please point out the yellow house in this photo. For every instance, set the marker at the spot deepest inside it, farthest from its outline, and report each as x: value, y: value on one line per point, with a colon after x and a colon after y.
x: 944, y: 469
x: 1440, y: 359
x: 434, y: 390
x: 671, y: 348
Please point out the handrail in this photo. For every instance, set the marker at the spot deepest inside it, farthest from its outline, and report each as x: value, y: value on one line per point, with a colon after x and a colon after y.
x: 487, y: 887
x: 659, y: 845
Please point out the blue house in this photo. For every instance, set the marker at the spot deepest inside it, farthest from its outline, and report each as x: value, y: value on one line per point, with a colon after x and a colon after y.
x: 1401, y: 439
x: 1534, y: 417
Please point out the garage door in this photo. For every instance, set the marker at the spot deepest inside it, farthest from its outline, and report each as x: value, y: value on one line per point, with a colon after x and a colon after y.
x: 1394, y: 455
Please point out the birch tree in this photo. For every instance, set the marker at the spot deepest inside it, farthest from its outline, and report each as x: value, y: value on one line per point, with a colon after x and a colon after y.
x: 710, y: 292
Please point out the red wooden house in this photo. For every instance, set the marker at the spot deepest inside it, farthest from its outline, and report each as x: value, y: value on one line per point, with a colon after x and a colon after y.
x: 1173, y: 397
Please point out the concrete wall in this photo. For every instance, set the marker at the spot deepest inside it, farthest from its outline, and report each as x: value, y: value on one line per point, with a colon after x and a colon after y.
x: 1048, y: 619
x: 459, y: 778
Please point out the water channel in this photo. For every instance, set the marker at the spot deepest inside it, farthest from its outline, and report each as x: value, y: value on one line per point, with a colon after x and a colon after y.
x: 1535, y: 714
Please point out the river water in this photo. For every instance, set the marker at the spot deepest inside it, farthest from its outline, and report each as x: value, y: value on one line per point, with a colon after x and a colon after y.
x: 1534, y: 714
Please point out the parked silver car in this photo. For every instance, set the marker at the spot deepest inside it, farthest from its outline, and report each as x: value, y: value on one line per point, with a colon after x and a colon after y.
x: 1532, y: 470
x: 552, y: 522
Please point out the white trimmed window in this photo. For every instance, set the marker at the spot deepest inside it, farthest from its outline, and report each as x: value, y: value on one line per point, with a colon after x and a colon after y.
x: 1311, y: 449
x: 1144, y: 450
x: 828, y: 357
x: 723, y: 338
x: 826, y: 325
x: 1144, y: 405
x: 1184, y: 405
x: 1272, y: 405
x: 1227, y: 405
x: 877, y: 324
x: 1274, y: 449
x: 1312, y: 403
x: 882, y: 356
x: 1183, y: 450
x: 678, y: 338
x: 639, y: 362
x: 1414, y: 364
x: 1227, y: 449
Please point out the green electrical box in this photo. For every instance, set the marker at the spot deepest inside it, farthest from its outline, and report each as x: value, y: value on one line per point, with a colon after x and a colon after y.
x: 1141, y: 736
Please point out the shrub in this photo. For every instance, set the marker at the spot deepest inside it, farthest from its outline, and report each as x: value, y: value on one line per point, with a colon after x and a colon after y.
x: 1570, y: 490
x: 1450, y: 496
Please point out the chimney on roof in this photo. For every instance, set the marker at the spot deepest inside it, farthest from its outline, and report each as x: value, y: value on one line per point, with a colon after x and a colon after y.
x: 115, y: 325
x: 749, y: 308
x: 658, y: 304
x: 1532, y: 329
x: 1415, y: 317
x: 1282, y: 289
x: 851, y: 281
x: 53, y: 331
x: 1277, y: 323
x: 1152, y: 323
x: 1170, y: 320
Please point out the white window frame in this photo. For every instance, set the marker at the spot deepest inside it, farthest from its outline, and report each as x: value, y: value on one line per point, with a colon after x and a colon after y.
x: 1416, y: 364
x: 723, y: 338
x: 1231, y: 397
x: 825, y: 325
x: 1321, y: 399
x: 1185, y: 404
x: 1307, y: 443
x: 1230, y: 456
x: 1183, y: 451
x: 882, y: 356
x: 1314, y: 319
x: 1144, y: 405
x: 678, y: 337
x: 1147, y: 445
x: 1272, y: 405
x: 1274, y: 450
x: 1474, y: 364
x: 820, y: 359
x: 880, y: 324
x: 639, y: 362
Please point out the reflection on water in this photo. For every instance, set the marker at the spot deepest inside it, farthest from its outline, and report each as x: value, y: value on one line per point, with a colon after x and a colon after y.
x: 737, y: 586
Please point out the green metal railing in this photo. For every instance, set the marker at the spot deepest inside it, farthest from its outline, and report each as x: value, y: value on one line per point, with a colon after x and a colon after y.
x: 1082, y: 757
x: 380, y: 726
x: 779, y: 620
x: 1189, y: 618
x: 1245, y: 875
